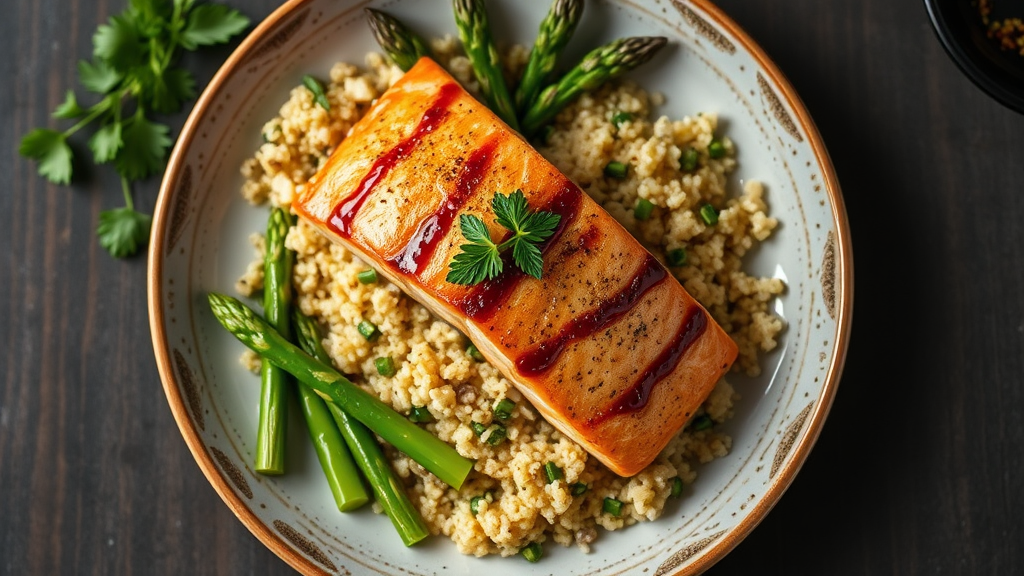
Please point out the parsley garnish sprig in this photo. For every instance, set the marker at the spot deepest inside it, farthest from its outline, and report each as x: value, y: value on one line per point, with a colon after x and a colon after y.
x: 481, y: 260
x: 133, y: 72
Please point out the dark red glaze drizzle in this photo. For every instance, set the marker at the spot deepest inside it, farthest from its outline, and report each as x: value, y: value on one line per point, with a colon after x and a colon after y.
x: 433, y: 228
x: 637, y: 396
x: 541, y: 357
x: 488, y: 296
x: 346, y: 210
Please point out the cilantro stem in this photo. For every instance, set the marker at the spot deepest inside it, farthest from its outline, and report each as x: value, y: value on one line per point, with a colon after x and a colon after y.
x: 94, y: 113
x: 126, y: 189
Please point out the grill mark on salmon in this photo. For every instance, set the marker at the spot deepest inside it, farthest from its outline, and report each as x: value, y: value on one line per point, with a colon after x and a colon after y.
x: 428, y: 234
x: 637, y: 396
x: 347, y: 210
x: 539, y: 359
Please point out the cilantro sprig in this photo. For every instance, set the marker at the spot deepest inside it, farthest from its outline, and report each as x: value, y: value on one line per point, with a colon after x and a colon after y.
x: 133, y: 72
x: 481, y: 260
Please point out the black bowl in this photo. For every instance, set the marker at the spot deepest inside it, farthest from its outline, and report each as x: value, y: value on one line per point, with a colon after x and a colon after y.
x: 1000, y: 73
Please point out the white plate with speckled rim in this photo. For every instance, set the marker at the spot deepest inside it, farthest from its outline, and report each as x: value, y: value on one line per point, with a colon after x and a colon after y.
x: 200, y: 244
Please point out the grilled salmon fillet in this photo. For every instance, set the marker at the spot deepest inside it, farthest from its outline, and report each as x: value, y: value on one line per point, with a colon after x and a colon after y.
x: 608, y: 346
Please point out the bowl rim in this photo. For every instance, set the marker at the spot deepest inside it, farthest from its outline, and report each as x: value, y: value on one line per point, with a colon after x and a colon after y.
x: 984, y: 64
x: 709, y: 555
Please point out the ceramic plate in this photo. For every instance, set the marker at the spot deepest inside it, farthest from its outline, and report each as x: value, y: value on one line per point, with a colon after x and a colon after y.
x: 200, y: 244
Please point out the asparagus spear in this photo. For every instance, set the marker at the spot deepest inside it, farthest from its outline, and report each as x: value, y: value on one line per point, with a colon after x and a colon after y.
x: 332, y: 452
x: 471, y: 19
x: 404, y: 46
x: 368, y: 454
x: 555, y: 31
x: 600, y: 65
x: 433, y: 454
x: 277, y: 296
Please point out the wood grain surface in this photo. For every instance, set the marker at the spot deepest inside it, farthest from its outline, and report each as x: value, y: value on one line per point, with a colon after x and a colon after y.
x: 918, y: 469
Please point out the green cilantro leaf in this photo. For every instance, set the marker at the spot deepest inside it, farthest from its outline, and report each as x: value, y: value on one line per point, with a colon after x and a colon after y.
x: 513, y: 212
x: 510, y: 210
x: 211, y: 24
x: 528, y: 258
x: 69, y: 109
x: 149, y: 16
x: 528, y: 229
x: 314, y: 86
x: 475, y: 230
x: 106, y: 142
x: 539, y: 226
x: 98, y: 77
x: 171, y: 89
x: 481, y: 259
x: 50, y: 149
x: 123, y: 230
x: 144, y: 148
x: 119, y: 43
x: 478, y: 261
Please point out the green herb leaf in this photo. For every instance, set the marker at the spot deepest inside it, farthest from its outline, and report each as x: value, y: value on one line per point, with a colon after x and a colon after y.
x: 69, y: 109
x: 528, y: 258
x: 106, y: 142
x: 510, y: 210
x: 123, y: 230
x: 145, y: 146
x: 119, y: 43
x: 184, y: 5
x: 150, y: 16
x: 314, y: 86
x: 98, y: 77
x: 211, y: 24
x: 50, y: 149
x: 480, y: 260
x: 172, y: 89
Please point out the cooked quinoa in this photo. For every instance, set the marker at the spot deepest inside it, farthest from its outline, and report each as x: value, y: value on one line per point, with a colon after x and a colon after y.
x: 434, y: 369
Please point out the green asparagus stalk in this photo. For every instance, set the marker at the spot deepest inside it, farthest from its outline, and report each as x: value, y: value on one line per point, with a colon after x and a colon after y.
x: 368, y: 455
x: 274, y: 384
x: 404, y: 46
x: 471, y: 19
x: 433, y: 454
x: 555, y: 31
x: 599, y: 66
x: 331, y: 450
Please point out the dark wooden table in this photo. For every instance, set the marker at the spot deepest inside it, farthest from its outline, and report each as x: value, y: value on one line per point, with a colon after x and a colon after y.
x: 918, y: 471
